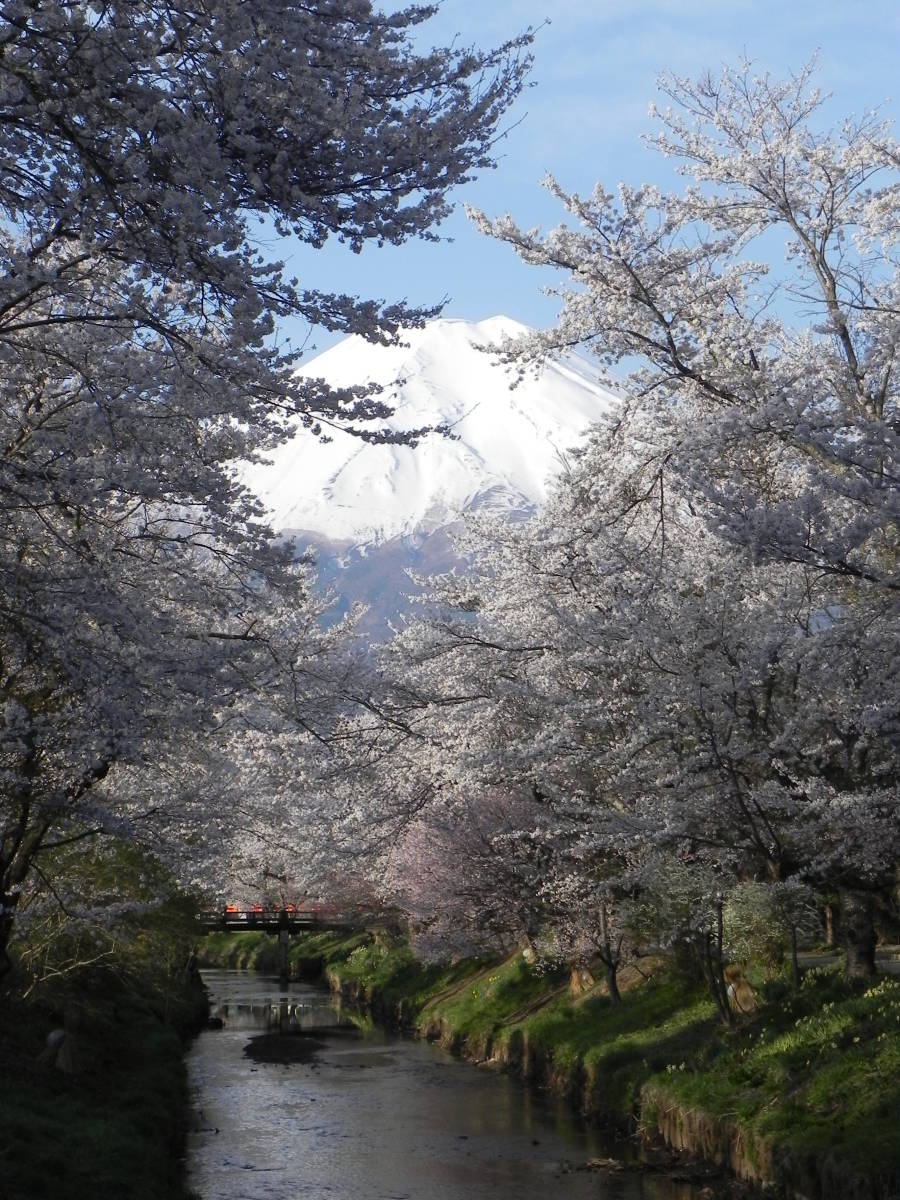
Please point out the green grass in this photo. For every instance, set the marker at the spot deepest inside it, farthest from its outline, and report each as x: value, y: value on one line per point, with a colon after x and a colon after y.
x: 493, y: 994
x: 816, y: 1074
x: 602, y: 1050
x: 384, y: 972
x: 311, y: 954
x: 110, y: 1130
x: 617, y: 1047
x: 248, y: 951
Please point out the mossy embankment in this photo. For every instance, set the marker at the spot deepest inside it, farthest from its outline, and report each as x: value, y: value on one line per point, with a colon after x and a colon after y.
x: 803, y: 1093
x: 102, y: 1110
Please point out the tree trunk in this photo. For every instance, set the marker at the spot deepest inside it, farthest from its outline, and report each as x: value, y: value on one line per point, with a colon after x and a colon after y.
x: 610, y: 958
x: 612, y: 983
x: 8, y: 904
x: 715, y: 977
x: 858, y: 925
x: 580, y: 980
x: 719, y: 963
x: 829, y: 925
x: 795, y: 962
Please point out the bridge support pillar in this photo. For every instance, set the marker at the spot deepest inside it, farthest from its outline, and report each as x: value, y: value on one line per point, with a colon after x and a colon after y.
x: 284, y: 938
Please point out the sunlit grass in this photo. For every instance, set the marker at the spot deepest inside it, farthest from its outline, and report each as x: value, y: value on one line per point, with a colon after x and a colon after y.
x: 818, y: 1072
x: 489, y: 996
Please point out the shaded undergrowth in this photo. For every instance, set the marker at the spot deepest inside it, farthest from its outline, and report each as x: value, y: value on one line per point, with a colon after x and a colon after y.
x: 112, y: 1122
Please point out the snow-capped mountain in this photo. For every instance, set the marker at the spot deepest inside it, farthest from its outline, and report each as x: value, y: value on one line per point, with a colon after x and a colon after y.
x: 508, y: 442
x: 371, y: 511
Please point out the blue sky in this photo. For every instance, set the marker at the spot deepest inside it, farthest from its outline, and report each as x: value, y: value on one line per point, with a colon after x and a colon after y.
x: 595, y: 73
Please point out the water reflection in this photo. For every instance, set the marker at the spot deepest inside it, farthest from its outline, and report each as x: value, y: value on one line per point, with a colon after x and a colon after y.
x: 242, y: 1011
x: 367, y: 1116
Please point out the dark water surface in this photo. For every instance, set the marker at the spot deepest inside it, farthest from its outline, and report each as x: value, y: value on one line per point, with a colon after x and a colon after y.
x: 347, y: 1114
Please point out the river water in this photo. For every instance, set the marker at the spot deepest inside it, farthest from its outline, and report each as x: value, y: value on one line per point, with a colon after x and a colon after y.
x: 292, y: 1100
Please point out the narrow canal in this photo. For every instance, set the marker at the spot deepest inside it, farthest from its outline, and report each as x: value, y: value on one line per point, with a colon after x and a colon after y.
x: 293, y: 1099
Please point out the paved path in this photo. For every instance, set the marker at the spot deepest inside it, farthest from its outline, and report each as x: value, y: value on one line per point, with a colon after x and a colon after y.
x: 887, y: 959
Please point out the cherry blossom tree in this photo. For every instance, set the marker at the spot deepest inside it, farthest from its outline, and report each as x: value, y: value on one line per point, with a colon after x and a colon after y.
x: 684, y: 662
x: 468, y: 873
x: 662, y: 698
x: 783, y: 381
x: 144, y: 604
x: 734, y: 525
x: 588, y: 918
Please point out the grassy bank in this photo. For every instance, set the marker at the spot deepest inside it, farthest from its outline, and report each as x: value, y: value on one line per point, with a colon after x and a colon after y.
x: 808, y: 1092
x: 310, y: 953
x: 379, y: 972
x: 803, y: 1092
x: 102, y: 1114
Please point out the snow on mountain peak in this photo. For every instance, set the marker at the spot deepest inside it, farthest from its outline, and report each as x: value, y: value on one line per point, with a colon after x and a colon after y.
x: 507, y: 445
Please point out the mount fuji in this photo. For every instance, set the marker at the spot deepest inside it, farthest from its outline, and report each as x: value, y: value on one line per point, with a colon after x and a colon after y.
x: 371, y: 511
